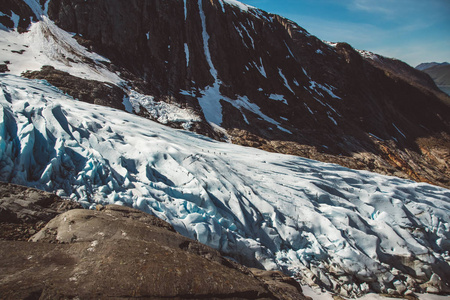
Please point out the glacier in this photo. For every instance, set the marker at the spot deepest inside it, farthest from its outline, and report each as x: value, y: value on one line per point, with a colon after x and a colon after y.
x: 338, y: 228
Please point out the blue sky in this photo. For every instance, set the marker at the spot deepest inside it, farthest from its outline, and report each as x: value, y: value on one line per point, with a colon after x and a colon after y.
x: 414, y: 31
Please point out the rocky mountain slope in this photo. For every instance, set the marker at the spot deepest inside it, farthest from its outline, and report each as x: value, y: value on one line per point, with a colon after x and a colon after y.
x: 440, y: 72
x: 73, y: 254
x: 263, y: 79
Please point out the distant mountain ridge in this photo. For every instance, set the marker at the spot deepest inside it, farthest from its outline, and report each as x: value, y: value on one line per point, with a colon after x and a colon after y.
x: 439, y: 72
x: 424, y: 66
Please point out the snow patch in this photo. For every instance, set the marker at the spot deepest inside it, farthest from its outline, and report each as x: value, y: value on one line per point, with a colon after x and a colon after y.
x: 248, y: 34
x: 309, y: 109
x: 277, y: 97
x: 242, y: 102
x: 286, y: 84
x: 240, y: 5
x: 399, y: 131
x: 127, y: 104
x: 161, y: 111
x: 205, y: 36
x: 374, y: 136
x: 331, y: 44
x: 289, y: 49
x: 210, y: 104
x: 367, y: 54
x: 326, y: 89
x: 261, y: 68
x: 47, y: 44
x: 186, y: 51
x: 210, y: 101
x: 15, y: 19
x: 36, y: 8
x: 332, y: 119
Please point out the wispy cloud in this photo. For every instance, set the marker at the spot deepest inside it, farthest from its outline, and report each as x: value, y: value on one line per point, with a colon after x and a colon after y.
x: 401, y: 9
x: 372, y: 6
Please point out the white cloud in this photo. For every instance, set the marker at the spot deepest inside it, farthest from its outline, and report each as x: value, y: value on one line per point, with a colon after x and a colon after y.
x: 371, y: 6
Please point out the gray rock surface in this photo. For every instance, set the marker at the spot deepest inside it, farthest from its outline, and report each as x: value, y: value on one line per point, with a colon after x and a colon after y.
x: 118, y: 252
x: 24, y: 211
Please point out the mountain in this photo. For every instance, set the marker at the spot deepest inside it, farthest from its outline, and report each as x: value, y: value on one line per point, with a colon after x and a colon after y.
x: 439, y: 72
x: 262, y: 78
x: 231, y: 72
x: 424, y: 66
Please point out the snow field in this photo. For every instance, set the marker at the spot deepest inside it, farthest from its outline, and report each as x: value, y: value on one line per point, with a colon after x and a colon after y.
x: 47, y: 44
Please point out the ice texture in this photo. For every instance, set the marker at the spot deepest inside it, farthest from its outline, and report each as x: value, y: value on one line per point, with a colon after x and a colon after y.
x: 278, y: 211
x: 164, y: 113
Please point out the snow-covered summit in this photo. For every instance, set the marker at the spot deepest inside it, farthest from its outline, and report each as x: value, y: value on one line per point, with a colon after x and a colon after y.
x: 345, y: 230
x: 236, y: 3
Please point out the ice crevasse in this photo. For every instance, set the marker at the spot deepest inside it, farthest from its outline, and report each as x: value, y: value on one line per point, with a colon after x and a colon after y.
x: 268, y: 210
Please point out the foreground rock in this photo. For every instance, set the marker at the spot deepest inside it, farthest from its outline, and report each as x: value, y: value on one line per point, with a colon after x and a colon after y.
x: 123, y: 253
x: 24, y: 211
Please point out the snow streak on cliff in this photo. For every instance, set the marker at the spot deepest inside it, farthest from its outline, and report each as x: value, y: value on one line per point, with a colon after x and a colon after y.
x: 343, y: 229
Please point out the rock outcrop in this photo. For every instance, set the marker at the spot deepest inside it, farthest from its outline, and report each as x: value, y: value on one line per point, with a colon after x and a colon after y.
x: 89, y: 91
x: 24, y: 211
x: 115, y: 252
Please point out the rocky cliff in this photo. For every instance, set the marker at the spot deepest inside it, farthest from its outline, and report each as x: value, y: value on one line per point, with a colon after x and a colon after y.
x: 263, y: 79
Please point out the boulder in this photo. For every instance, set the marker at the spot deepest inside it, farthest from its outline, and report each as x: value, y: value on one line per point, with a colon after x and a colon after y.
x: 118, y: 252
x: 24, y: 211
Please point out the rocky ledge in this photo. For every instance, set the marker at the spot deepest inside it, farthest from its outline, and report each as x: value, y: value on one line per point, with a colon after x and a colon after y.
x: 115, y: 252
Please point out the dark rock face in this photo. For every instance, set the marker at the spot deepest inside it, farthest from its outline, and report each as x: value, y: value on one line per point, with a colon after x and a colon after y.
x: 90, y: 91
x: 3, y: 68
x: 427, y: 82
x: 21, y: 9
x: 256, y: 55
x: 278, y: 87
x: 118, y: 252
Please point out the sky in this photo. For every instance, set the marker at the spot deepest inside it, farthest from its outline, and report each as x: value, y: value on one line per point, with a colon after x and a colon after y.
x: 414, y: 31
